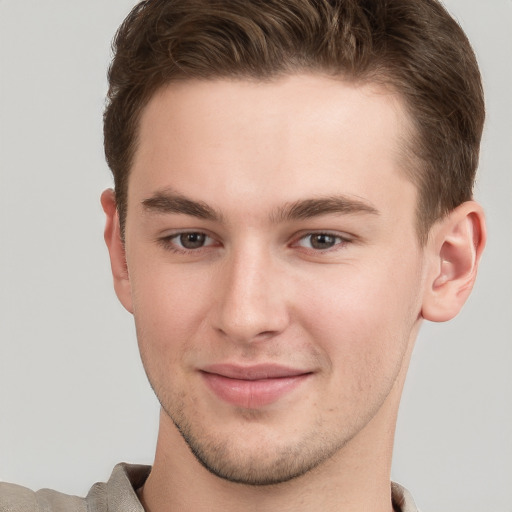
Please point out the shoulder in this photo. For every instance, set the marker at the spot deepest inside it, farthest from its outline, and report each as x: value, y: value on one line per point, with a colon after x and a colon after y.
x: 116, y: 495
x: 14, y: 498
x: 402, y: 499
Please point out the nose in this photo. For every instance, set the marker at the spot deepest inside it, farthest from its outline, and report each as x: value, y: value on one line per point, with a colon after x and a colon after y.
x: 252, y: 304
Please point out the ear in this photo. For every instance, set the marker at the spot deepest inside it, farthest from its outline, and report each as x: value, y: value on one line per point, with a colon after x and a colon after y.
x: 455, y: 245
x: 116, y: 249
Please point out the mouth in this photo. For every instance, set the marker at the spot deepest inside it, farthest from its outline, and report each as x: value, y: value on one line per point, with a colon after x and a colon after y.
x: 252, y: 387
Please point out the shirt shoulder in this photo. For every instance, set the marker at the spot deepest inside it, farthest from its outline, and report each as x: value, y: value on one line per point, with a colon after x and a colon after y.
x: 15, y: 498
x: 402, y: 499
x: 116, y: 495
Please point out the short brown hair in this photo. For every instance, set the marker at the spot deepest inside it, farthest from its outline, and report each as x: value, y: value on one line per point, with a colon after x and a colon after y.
x: 414, y: 46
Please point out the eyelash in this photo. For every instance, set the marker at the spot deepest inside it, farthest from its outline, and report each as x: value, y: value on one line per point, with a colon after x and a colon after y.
x: 169, y: 242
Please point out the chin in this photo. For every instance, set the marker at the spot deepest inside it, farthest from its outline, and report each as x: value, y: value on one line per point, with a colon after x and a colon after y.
x: 267, y: 460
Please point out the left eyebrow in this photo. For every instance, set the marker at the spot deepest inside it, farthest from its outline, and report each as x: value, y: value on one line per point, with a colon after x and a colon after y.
x: 308, y: 208
x: 164, y: 202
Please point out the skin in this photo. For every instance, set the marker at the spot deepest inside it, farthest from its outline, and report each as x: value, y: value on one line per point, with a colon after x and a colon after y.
x: 301, y: 251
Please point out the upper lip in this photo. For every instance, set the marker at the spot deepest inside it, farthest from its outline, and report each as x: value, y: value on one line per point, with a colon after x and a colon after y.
x: 253, y: 372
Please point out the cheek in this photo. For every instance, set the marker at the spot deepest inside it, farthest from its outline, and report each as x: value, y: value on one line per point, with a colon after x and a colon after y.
x: 168, y: 310
x: 363, y: 317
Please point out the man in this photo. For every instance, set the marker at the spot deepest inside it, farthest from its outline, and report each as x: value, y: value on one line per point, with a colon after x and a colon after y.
x: 293, y: 197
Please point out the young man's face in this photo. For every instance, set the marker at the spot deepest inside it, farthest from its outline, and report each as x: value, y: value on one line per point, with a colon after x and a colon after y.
x: 274, y: 270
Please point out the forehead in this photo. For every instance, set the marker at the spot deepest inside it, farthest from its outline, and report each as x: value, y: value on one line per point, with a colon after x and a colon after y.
x: 278, y: 140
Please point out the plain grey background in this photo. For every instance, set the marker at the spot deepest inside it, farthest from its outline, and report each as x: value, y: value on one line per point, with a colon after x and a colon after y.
x: 73, y: 396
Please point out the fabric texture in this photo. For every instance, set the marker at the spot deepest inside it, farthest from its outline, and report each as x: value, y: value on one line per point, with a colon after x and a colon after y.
x: 117, y: 495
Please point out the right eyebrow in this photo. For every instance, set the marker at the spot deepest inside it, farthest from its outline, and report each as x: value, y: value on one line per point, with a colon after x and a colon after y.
x: 316, y: 207
x: 164, y: 202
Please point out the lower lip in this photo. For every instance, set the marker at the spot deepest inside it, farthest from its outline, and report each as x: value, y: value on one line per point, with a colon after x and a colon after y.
x: 251, y: 394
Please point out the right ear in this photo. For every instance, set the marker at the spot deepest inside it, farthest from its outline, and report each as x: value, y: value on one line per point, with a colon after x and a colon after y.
x: 116, y: 250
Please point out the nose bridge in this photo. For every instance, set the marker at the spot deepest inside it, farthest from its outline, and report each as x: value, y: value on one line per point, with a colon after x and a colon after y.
x: 252, y: 304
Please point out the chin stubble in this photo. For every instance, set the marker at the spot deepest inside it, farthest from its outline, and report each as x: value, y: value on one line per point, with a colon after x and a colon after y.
x: 282, y: 465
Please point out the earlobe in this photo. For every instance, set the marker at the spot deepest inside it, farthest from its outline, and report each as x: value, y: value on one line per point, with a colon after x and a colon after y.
x: 457, y: 242
x: 116, y: 249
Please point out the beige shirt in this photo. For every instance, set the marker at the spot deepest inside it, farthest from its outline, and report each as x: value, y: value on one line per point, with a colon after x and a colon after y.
x: 116, y: 495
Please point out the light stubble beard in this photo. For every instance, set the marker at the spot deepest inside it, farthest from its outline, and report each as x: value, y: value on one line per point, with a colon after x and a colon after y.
x: 270, y: 466
x: 266, y: 462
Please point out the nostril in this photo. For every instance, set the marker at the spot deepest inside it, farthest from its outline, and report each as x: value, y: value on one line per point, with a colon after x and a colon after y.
x: 246, y: 336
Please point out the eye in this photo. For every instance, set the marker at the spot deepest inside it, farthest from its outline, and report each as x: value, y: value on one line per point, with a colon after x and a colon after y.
x: 187, y: 241
x: 320, y: 241
x: 191, y: 240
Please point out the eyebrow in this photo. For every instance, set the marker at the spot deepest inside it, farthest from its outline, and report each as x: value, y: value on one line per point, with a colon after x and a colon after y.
x: 316, y: 207
x: 165, y: 202
x: 171, y: 202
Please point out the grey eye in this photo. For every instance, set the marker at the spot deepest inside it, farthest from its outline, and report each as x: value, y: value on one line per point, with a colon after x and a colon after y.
x: 322, y: 241
x: 192, y: 240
